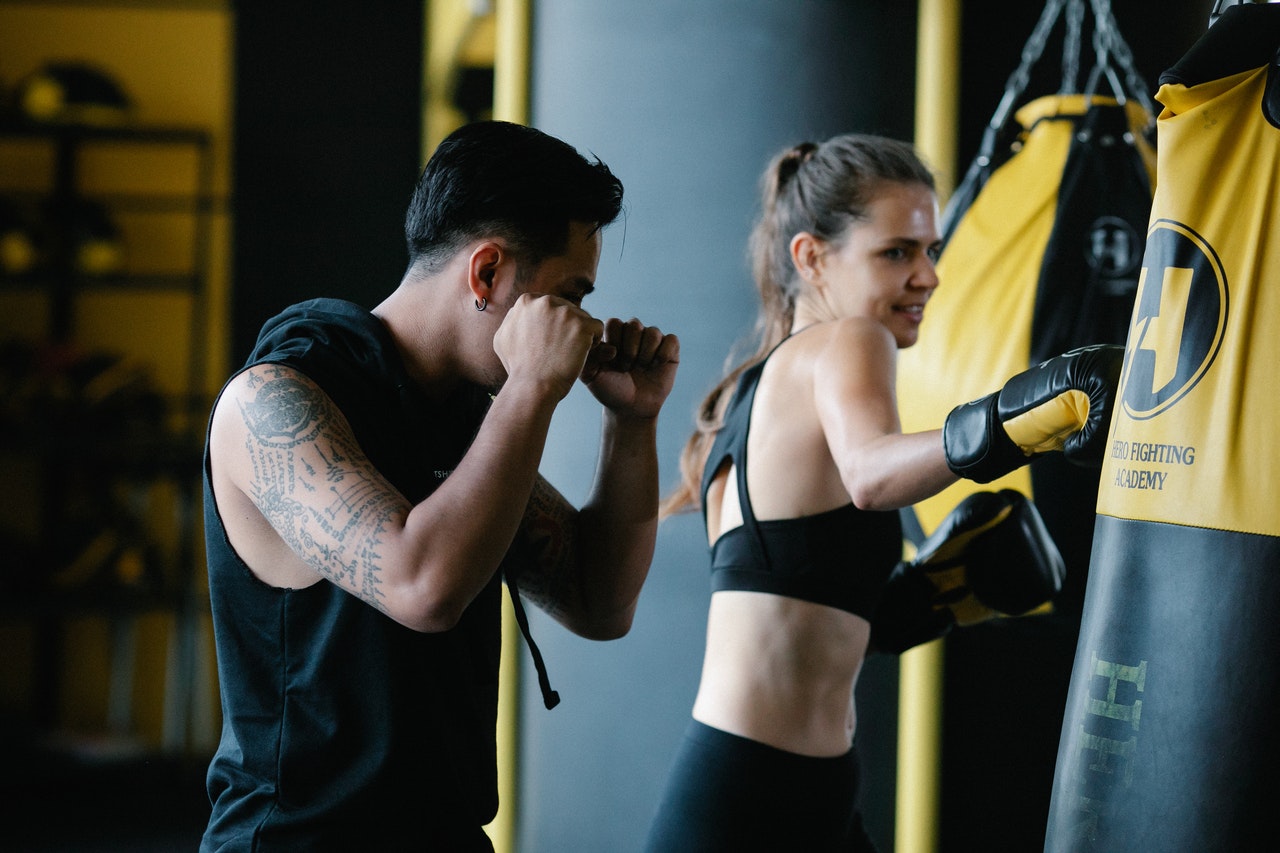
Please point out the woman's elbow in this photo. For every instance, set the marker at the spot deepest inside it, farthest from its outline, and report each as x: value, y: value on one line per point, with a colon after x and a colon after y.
x: 871, y: 495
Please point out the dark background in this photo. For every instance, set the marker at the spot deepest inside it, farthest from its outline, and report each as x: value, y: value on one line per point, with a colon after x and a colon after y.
x: 686, y: 102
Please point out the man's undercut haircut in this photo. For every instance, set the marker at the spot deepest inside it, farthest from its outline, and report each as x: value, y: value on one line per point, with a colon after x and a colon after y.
x: 505, y: 180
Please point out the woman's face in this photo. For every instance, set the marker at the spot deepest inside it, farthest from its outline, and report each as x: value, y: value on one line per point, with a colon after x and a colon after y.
x: 883, y: 269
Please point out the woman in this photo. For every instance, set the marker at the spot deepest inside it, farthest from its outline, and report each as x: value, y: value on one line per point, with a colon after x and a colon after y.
x: 800, y: 508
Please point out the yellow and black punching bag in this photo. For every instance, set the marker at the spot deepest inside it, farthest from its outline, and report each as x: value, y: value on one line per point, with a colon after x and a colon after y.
x: 1169, y: 738
x: 1043, y: 247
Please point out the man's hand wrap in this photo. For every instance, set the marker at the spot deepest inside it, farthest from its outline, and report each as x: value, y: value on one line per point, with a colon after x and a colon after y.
x: 1064, y: 404
x: 991, y: 556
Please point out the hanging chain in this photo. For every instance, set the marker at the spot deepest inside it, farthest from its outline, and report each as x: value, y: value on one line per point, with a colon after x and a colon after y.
x: 1108, y: 44
x: 1071, y: 48
x: 1031, y: 51
x: 1102, y: 64
x: 1114, y: 43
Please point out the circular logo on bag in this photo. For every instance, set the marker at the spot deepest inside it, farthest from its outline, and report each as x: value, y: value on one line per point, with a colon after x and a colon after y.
x: 1113, y: 249
x: 1179, y: 319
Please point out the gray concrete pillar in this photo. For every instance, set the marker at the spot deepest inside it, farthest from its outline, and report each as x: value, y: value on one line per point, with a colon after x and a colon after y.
x: 686, y: 100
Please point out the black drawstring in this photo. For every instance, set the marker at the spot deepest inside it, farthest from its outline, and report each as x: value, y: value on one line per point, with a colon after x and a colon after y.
x: 550, y: 698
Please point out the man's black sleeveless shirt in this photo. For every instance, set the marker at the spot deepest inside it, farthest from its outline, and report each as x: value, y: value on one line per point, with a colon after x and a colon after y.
x: 342, y: 729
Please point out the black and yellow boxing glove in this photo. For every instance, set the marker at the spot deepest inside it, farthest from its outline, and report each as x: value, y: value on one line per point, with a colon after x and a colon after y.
x: 1064, y: 403
x: 991, y: 556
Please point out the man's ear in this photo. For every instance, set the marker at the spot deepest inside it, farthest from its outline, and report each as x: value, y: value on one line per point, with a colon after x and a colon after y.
x: 483, y: 266
x: 806, y: 255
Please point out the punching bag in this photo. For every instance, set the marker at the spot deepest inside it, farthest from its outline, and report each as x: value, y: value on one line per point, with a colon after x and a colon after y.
x: 1043, y: 243
x: 1169, y: 739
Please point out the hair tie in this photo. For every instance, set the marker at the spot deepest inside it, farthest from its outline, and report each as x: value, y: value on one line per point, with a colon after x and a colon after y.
x: 793, y: 160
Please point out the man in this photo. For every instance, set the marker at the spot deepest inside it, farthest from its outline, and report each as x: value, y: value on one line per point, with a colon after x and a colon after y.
x: 371, y: 477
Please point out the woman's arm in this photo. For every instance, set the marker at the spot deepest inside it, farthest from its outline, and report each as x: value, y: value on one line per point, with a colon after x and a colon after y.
x: 854, y: 387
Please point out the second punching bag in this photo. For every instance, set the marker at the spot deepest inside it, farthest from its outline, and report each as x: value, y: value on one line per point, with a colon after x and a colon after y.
x: 1169, y: 738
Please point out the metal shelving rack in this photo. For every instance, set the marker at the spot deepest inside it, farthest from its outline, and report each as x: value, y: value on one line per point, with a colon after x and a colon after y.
x: 69, y: 454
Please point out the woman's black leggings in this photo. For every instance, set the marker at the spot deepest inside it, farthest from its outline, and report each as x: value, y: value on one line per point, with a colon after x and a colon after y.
x: 729, y: 793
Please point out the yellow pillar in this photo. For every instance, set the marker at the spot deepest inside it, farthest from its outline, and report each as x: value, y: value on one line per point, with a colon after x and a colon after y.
x: 510, y: 103
x: 511, y: 62
x: 921, y: 669
x: 479, y: 31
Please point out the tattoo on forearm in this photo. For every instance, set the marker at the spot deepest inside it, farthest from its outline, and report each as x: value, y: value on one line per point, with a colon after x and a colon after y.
x: 550, y: 577
x: 313, y: 484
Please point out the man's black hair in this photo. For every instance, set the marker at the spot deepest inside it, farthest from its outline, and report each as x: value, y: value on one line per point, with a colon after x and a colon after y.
x: 495, y: 178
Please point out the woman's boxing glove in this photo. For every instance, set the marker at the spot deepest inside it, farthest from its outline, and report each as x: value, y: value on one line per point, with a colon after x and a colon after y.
x: 1064, y: 404
x: 991, y: 556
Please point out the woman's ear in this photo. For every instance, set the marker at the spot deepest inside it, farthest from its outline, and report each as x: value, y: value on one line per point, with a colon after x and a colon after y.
x: 806, y: 255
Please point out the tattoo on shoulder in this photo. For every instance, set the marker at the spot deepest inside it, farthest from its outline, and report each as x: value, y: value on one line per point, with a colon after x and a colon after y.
x: 313, y: 483
x: 285, y: 412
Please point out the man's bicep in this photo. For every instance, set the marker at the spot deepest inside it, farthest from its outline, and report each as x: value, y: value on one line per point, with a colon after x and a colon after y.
x: 288, y: 449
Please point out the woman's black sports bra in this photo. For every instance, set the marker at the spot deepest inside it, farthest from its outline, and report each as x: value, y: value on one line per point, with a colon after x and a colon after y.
x: 840, y: 558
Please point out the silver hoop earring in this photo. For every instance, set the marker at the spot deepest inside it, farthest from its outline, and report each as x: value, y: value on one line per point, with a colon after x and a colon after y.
x: 482, y: 303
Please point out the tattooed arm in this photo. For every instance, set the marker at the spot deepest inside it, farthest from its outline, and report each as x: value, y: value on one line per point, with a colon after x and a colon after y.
x: 302, y: 502
x: 586, y: 568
